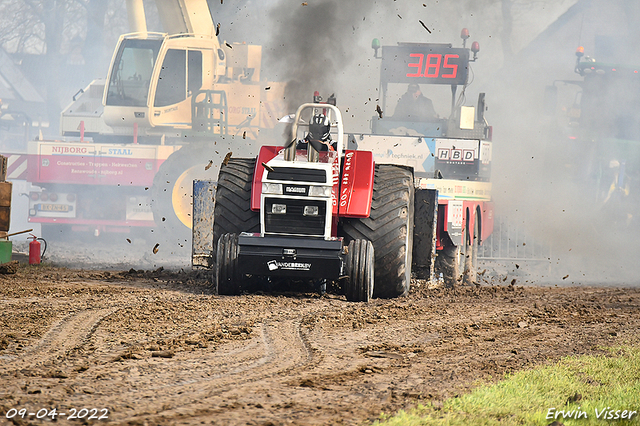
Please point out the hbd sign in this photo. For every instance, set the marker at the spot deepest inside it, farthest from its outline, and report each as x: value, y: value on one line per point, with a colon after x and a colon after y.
x: 452, y: 154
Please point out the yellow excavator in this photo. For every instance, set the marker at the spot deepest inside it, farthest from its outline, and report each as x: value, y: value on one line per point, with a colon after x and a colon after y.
x: 193, y: 98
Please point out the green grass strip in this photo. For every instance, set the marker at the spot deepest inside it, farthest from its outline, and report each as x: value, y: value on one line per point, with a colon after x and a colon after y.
x: 577, y: 389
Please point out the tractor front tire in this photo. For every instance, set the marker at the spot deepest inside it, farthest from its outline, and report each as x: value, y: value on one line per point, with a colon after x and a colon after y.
x: 227, y: 278
x: 389, y: 227
x: 360, y: 268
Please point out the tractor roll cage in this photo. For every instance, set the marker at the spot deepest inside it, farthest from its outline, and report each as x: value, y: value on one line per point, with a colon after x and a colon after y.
x: 335, y: 118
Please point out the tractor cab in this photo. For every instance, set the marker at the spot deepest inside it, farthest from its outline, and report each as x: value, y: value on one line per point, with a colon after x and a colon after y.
x: 419, y: 91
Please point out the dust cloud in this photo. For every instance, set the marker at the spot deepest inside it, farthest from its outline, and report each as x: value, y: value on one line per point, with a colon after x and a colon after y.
x: 326, y: 46
x: 313, y: 46
x: 553, y: 171
x: 545, y: 185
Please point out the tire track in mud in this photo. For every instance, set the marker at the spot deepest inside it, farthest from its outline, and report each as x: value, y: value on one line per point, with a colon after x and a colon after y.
x: 191, y: 378
x: 66, y: 334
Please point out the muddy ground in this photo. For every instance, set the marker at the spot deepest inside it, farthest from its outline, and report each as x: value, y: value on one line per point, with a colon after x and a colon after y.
x: 156, y: 347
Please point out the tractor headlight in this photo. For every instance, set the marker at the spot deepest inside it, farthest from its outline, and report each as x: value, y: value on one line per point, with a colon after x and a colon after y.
x: 320, y: 191
x: 272, y: 188
x: 311, y: 210
x: 279, y: 208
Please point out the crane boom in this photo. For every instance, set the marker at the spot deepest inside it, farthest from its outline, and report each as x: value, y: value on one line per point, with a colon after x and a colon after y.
x: 185, y: 16
x: 136, y: 16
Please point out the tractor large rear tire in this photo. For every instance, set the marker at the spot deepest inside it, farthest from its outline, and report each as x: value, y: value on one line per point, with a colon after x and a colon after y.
x: 389, y: 227
x: 232, y: 213
x: 360, y: 268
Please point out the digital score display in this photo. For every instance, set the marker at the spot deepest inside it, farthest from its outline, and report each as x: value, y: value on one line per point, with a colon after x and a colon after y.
x: 424, y: 64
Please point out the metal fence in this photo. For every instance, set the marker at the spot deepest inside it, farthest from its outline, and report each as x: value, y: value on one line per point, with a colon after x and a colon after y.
x: 510, y: 241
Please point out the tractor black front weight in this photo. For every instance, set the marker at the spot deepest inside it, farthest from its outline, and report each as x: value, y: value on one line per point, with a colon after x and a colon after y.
x: 240, y: 256
x: 275, y: 256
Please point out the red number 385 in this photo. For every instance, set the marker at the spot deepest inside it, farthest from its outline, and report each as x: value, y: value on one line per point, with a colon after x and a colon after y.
x: 433, y: 65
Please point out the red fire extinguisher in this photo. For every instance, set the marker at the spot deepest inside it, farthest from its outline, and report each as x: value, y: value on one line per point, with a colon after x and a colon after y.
x: 34, y: 250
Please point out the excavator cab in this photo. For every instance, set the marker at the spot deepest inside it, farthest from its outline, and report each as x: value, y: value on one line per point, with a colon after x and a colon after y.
x: 129, y: 82
x: 153, y: 78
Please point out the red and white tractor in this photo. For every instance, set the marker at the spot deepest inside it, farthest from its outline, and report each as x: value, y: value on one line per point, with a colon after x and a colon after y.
x: 314, y: 211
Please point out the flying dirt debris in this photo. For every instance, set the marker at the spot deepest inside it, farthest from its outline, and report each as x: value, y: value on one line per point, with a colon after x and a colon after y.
x: 227, y: 158
x: 155, y: 248
x: 379, y: 111
x: 425, y: 27
x: 208, y: 166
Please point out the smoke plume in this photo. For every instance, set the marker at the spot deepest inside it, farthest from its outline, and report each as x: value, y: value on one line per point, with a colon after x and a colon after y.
x: 311, y: 46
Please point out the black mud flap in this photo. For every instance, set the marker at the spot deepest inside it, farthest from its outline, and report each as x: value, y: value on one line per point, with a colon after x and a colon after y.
x: 424, y: 233
x: 202, y: 232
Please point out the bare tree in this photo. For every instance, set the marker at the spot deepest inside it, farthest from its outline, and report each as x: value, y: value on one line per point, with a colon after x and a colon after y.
x: 57, y: 30
x: 510, y: 11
